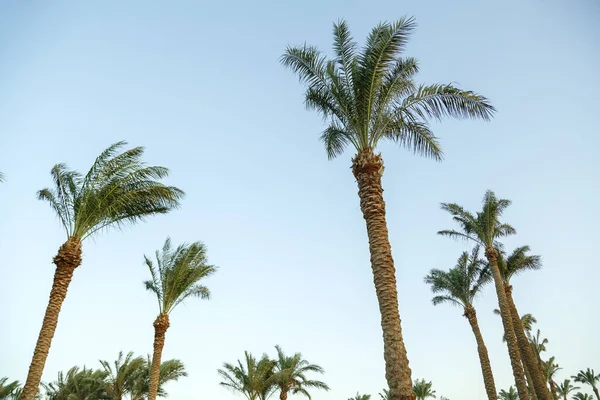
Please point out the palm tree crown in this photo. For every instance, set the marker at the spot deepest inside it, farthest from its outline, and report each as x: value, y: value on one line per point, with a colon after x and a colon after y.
x: 385, y: 394
x: 254, y: 379
x: 121, y: 378
x: 565, y: 388
x: 423, y: 389
x: 176, y: 274
x: 370, y: 94
x: 290, y: 374
x: 582, y: 396
x: 517, y: 262
x: 588, y: 377
x: 118, y: 189
x: 511, y: 394
x: 460, y: 285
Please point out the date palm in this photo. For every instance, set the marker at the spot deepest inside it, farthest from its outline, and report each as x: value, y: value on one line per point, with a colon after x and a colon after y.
x: 78, y: 384
x: 170, y: 370
x: 117, y: 190
x: 459, y: 287
x: 254, y: 379
x: 175, y: 278
x: 423, y: 389
x: 290, y: 375
x: 582, y: 396
x: 122, y: 374
x: 589, y: 378
x: 485, y: 228
x: 565, y: 389
x: 368, y: 95
x: 511, y: 394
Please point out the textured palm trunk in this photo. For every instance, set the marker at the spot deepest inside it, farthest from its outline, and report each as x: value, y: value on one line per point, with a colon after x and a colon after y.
x: 283, y: 395
x: 161, y: 324
x: 66, y: 260
x: 553, y: 390
x: 511, y: 342
x: 368, y: 170
x: 529, y: 360
x: 529, y: 381
x: 486, y: 366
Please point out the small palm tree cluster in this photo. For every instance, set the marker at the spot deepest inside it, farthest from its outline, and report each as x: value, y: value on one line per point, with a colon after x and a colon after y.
x: 262, y: 378
x: 126, y: 378
x: 423, y: 390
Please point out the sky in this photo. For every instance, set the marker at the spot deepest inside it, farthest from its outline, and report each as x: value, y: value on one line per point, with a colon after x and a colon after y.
x: 199, y: 84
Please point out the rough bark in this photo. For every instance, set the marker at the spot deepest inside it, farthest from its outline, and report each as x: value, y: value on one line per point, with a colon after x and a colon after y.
x: 486, y: 367
x: 368, y: 170
x: 511, y: 342
x: 283, y: 395
x: 529, y: 381
x: 66, y: 260
x: 529, y: 360
x: 161, y: 324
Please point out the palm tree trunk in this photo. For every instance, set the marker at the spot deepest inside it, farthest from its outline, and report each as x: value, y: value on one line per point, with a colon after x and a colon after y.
x: 596, y: 393
x: 368, y: 169
x: 66, y: 260
x: 161, y: 324
x: 511, y: 342
x: 486, y: 367
x: 529, y: 381
x: 283, y: 395
x: 553, y: 390
x: 529, y: 361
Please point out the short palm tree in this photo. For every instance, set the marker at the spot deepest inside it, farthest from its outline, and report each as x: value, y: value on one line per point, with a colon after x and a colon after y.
x: 170, y: 370
x: 510, y: 266
x: 361, y: 397
x: 582, y: 396
x: 368, y: 95
x: 511, y: 394
x: 7, y: 389
x: 385, y: 395
x: 460, y: 286
x: 78, y: 384
x: 423, y: 389
x: 121, y: 374
x: 118, y: 189
x: 589, y: 378
x: 254, y: 379
x: 565, y: 389
x: 175, y: 278
x: 290, y: 375
x: 485, y: 229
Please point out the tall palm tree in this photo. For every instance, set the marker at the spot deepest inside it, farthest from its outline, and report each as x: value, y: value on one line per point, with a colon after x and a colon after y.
x: 121, y: 378
x: 589, y: 378
x: 290, y: 375
x: 7, y: 390
x: 565, y: 388
x: 175, y: 278
x: 510, y: 266
x: 582, y: 396
x: 460, y: 286
x: 423, y: 389
x: 485, y: 229
x: 510, y: 395
x: 254, y: 379
x: 361, y: 397
x: 369, y: 95
x: 118, y: 189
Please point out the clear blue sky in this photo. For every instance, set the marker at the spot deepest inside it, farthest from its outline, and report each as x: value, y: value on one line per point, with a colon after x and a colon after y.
x: 200, y: 85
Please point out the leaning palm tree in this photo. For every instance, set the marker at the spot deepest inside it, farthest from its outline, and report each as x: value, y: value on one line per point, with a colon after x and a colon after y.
x: 118, y: 189
x: 423, y: 389
x: 510, y: 266
x: 175, y: 278
x: 369, y: 95
x: 459, y: 287
x: 361, y: 397
x: 582, y: 396
x: 510, y: 395
x: 589, y: 378
x: 565, y: 389
x: 122, y: 376
x: 254, y: 379
x: 8, y: 389
x: 538, y: 345
x: 290, y: 375
x: 485, y: 229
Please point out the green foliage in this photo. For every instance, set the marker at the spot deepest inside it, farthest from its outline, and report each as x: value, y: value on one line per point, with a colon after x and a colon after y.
x: 423, y: 389
x: 78, y: 384
x: 550, y: 368
x: 8, y: 389
x: 370, y: 94
x: 118, y: 189
x: 177, y: 273
x: 460, y: 285
x: 582, y: 396
x: 565, y: 388
x: 124, y: 376
x: 290, y: 374
x: 254, y: 379
x: 484, y: 227
x: 518, y: 262
x: 510, y: 395
x: 360, y: 397
x: 385, y: 395
x: 588, y: 377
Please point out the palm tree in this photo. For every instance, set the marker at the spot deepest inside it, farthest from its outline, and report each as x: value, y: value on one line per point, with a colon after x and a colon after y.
x: 514, y: 264
x: 78, y: 384
x: 423, y: 389
x: 459, y: 287
x: 582, y: 396
x: 255, y: 379
x: 368, y: 95
x: 7, y: 390
x: 174, y: 279
x: 118, y: 189
x: 170, y: 370
x: 361, y: 397
x: 120, y: 379
x: 290, y: 375
x: 550, y: 368
x: 485, y: 229
x: 510, y: 395
x: 589, y: 378
x: 565, y: 388
x: 385, y: 395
